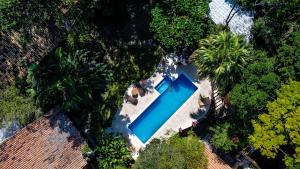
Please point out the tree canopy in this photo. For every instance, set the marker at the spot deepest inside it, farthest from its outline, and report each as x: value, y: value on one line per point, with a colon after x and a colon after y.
x: 278, y: 130
x: 275, y: 20
x: 174, y: 153
x: 222, y: 58
x: 288, y: 58
x: 180, y: 23
x: 250, y: 96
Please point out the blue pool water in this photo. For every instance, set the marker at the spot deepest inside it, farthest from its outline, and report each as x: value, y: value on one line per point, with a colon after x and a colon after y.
x: 155, y: 115
x: 163, y: 85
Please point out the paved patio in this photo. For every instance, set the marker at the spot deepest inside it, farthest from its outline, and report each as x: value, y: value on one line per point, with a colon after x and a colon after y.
x: 183, y: 118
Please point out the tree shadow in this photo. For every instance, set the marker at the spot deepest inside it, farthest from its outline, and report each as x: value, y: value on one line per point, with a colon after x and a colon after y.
x: 120, y: 125
x: 240, y: 9
x: 59, y: 122
x: 123, y: 20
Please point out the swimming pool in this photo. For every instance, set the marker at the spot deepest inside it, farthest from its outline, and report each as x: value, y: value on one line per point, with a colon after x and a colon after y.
x: 159, y: 111
x: 163, y: 85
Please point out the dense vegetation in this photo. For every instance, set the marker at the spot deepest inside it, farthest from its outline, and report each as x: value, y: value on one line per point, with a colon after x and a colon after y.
x: 221, y: 137
x: 176, y: 152
x: 108, y: 45
x: 274, y: 22
x: 16, y: 108
x: 180, y: 23
x: 279, y: 129
x: 112, y: 151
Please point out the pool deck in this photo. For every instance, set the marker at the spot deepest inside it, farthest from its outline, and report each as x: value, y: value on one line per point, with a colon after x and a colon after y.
x: 183, y: 118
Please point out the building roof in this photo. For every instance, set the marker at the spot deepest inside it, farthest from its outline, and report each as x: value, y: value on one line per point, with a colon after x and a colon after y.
x: 49, y: 142
x: 214, y: 161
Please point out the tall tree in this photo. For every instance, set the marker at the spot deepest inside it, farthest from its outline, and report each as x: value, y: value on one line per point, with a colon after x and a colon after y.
x: 180, y: 23
x: 279, y: 129
x: 222, y: 58
x: 250, y: 97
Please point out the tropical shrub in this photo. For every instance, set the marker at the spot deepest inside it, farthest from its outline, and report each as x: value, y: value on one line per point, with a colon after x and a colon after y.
x: 278, y: 130
x: 16, y: 108
x: 112, y: 151
x: 86, y: 150
x: 180, y: 23
x: 73, y: 79
x: 174, y: 153
x: 222, y: 58
x: 221, y: 137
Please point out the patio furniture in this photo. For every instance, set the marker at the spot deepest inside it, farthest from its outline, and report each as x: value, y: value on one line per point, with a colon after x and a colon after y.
x: 134, y: 92
x: 203, y: 101
x: 131, y: 99
x: 140, y: 88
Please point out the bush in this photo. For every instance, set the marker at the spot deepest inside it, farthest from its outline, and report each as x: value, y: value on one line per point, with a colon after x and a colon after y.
x: 177, y: 153
x: 112, y: 151
x: 14, y: 107
x: 220, y: 137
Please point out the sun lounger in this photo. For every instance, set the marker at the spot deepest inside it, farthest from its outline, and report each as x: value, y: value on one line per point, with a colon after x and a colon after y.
x: 140, y: 88
x: 134, y: 92
x: 131, y: 99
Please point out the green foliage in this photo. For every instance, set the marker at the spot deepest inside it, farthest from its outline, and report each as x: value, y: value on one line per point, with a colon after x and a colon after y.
x: 74, y: 79
x: 4, y: 22
x: 174, y: 153
x: 250, y: 97
x: 180, y: 23
x: 279, y: 128
x: 275, y: 20
x: 288, y: 58
x: 20, y: 14
x: 13, y: 107
x: 130, y: 64
x: 112, y: 151
x: 85, y: 150
x: 222, y: 58
x: 220, y: 137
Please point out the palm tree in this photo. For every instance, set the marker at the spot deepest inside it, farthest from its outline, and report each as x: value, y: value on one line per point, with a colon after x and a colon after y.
x: 222, y: 58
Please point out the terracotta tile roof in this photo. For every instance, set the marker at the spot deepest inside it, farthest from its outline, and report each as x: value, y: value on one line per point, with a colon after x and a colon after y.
x: 49, y: 142
x: 214, y: 161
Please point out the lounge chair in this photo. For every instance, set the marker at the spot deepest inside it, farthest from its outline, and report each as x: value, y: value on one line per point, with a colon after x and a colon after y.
x: 134, y: 92
x: 131, y: 99
x: 203, y: 101
x: 140, y: 89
